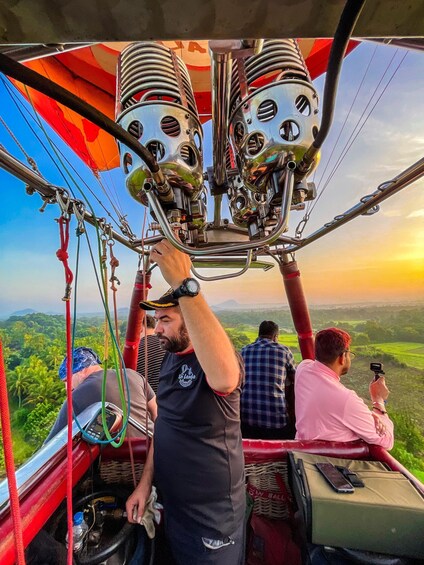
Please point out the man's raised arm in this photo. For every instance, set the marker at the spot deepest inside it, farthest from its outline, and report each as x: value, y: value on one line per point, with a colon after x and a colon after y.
x: 213, y: 347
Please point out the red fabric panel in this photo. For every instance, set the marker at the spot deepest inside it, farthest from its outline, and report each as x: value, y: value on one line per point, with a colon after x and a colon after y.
x: 317, y: 60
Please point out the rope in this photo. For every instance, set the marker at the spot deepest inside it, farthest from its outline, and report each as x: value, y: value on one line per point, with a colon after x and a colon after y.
x: 355, y: 134
x: 115, y: 346
x: 29, y: 159
x: 62, y: 255
x: 10, y: 463
x: 103, y: 259
x: 79, y: 233
x: 146, y: 387
x: 114, y: 263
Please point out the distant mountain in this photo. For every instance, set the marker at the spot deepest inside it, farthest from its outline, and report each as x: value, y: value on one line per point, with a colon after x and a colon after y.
x: 24, y: 312
x: 227, y: 305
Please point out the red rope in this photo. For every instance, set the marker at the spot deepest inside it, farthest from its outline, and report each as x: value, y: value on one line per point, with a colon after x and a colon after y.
x: 62, y: 255
x: 10, y: 463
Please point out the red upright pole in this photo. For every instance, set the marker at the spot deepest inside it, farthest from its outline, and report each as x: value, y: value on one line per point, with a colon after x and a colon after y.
x: 299, y: 308
x: 10, y: 464
x: 135, y: 319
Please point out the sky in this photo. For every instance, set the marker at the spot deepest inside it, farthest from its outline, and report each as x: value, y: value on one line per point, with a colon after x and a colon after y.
x: 371, y: 259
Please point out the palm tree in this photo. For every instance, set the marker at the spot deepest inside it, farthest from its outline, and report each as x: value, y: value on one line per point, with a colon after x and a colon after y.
x: 35, y: 343
x: 19, y: 382
x: 53, y: 355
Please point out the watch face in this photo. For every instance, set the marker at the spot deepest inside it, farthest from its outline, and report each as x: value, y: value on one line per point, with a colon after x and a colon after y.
x: 192, y: 286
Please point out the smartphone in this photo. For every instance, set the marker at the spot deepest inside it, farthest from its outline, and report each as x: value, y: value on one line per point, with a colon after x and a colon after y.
x: 334, y: 478
x: 351, y: 477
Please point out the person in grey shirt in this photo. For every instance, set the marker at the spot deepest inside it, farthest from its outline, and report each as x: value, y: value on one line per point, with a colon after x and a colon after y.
x: 87, y: 378
x: 150, y: 350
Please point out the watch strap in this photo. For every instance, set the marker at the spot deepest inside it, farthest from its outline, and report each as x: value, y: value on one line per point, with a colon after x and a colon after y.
x: 183, y: 291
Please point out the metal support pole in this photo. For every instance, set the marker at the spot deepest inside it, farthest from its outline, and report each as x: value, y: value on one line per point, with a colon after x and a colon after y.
x: 135, y: 319
x: 368, y: 202
x: 221, y: 78
x: 299, y: 308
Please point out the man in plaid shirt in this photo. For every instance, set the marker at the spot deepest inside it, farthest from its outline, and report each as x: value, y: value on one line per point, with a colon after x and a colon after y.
x: 263, y: 402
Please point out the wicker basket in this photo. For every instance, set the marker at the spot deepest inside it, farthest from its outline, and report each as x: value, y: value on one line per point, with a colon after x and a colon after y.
x: 119, y: 472
x: 268, y: 485
x: 266, y: 482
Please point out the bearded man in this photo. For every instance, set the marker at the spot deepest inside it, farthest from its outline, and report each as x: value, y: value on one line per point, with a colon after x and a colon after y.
x: 196, y: 456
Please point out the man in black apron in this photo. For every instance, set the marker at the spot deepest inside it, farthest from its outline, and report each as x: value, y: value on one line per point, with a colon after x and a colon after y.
x: 196, y: 457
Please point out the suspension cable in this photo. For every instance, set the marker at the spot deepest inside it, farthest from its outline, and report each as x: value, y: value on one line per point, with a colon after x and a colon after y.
x: 121, y: 222
x: 31, y: 162
x: 354, y: 134
x: 116, y: 194
x: 302, y: 224
x: 347, y: 116
x: 59, y: 154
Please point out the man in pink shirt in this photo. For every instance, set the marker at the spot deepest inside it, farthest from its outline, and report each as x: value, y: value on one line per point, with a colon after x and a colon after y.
x: 326, y: 409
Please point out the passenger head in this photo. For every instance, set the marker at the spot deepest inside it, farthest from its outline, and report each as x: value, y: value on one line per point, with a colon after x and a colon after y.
x: 269, y: 330
x: 169, y: 323
x: 150, y: 322
x: 83, y: 358
x: 148, y: 326
x: 332, y: 348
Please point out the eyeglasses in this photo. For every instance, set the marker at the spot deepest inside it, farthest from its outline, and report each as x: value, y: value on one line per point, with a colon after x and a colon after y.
x: 351, y: 353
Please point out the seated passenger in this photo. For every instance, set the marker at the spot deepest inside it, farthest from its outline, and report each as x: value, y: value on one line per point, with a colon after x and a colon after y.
x: 326, y: 409
x: 155, y: 353
x: 87, y: 377
x: 263, y: 405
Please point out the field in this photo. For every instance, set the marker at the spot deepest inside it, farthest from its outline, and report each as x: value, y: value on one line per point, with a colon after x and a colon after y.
x: 412, y: 354
x: 290, y: 340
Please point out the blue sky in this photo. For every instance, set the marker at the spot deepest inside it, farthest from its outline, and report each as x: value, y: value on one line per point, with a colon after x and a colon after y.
x: 378, y: 258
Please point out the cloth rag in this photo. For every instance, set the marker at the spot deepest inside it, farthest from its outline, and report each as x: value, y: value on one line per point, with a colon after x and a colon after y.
x: 151, y: 514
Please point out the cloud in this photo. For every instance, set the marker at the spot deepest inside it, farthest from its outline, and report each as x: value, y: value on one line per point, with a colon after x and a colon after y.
x: 392, y: 213
x: 416, y: 214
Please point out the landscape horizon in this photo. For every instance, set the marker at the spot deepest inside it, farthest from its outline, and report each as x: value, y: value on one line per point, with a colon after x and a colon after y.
x: 233, y: 305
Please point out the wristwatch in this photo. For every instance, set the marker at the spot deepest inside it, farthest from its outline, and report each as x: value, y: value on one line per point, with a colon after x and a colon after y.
x: 189, y: 287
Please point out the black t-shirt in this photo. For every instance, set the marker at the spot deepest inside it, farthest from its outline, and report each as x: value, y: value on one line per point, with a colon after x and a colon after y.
x: 198, y: 456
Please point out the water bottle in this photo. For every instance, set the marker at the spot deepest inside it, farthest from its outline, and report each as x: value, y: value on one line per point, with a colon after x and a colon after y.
x: 79, y: 531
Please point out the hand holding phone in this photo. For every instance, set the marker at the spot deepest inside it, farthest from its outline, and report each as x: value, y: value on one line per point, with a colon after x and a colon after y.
x: 334, y: 478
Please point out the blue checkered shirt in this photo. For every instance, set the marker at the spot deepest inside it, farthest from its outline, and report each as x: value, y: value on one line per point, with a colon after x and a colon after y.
x: 263, y: 402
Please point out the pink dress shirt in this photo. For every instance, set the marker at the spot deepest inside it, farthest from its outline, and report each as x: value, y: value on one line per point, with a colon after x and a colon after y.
x: 326, y: 409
